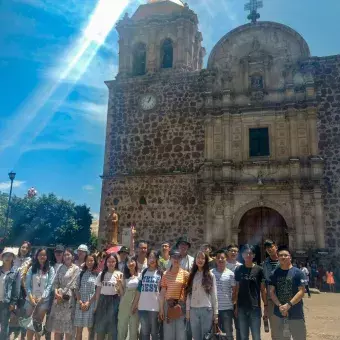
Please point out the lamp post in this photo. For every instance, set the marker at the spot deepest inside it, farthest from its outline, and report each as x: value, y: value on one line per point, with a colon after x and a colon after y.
x: 11, y: 176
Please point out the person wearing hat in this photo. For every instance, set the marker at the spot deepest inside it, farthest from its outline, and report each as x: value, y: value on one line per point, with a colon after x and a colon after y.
x: 58, y: 257
x: 123, y: 256
x: 187, y: 261
x: 81, y: 253
x: 9, y: 289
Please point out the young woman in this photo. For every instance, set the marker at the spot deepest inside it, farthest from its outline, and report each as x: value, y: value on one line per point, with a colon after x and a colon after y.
x: 173, y: 286
x: 128, y: 321
x: 39, y: 281
x: 23, y: 255
x: 330, y: 280
x: 60, y: 320
x: 22, y: 263
x: 9, y: 290
x: 86, y: 296
x: 201, y: 306
x: 109, y: 287
x: 147, y: 298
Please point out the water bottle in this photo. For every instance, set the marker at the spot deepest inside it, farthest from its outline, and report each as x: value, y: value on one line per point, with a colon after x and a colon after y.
x: 286, y: 330
x: 266, y: 324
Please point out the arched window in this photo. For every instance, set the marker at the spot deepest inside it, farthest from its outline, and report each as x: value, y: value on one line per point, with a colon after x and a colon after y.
x: 167, y: 54
x: 139, y: 59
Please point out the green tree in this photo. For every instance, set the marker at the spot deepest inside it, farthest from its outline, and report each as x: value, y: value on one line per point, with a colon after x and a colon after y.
x: 3, y: 211
x: 49, y: 220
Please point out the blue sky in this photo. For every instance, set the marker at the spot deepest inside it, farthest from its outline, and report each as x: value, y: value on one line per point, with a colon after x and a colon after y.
x: 53, y: 97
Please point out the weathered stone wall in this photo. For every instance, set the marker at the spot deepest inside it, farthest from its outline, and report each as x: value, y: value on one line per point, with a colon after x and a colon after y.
x: 327, y: 77
x: 172, y: 208
x: 168, y: 138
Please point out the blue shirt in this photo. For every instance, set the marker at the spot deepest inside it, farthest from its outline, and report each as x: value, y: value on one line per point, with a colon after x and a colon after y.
x: 287, y: 283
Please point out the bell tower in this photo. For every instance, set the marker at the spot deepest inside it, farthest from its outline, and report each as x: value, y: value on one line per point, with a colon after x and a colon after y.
x: 160, y: 35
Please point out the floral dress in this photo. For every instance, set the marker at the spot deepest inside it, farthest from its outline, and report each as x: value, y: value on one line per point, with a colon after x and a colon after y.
x: 61, y: 317
x: 86, y: 285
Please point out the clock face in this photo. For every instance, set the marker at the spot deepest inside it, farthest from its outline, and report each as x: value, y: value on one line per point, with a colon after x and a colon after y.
x: 148, y: 101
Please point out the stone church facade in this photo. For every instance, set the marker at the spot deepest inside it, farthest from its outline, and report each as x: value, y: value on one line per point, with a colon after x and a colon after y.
x: 242, y: 150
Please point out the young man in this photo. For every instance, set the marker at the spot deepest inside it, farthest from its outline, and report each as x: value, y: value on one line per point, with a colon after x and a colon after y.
x: 269, y: 265
x: 287, y: 288
x: 164, y: 258
x: 142, y: 250
x: 232, y: 253
x: 250, y: 287
x: 226, y: 289
x: 183, y: 246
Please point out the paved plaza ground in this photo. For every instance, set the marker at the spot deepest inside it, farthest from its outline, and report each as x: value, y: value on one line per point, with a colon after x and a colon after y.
x: 322, y: 317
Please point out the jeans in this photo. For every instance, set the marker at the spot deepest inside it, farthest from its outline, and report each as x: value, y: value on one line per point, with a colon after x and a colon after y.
x: 273, y: 321
x: 149, y: 325
x: 250, y: 318
x: 225, y: 322
x: 201, y: 320
x: 297, y: 329
x: 4, y: 320
x: 174, y: 329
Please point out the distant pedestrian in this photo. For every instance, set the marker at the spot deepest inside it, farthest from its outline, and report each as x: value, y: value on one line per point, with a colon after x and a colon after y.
x: 330, y: 280
x: 304, y: 269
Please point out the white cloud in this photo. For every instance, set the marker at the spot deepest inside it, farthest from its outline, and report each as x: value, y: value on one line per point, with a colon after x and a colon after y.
x: 88, y: 187
x: 7, y: 185
x: 95, y: 215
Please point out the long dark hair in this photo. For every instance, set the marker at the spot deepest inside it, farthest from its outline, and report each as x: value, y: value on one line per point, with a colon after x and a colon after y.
x: 36, y: 264
x: 207, y: 279
x: 29, y: 246
x: 84, y: 269
x: 106, y: 269
x: 126, y: 270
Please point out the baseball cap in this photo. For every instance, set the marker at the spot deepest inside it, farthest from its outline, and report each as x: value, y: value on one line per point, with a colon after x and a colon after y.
x: 60, y: 248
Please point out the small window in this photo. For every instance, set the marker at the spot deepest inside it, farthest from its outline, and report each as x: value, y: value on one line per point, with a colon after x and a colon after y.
x: 256, y: 82
x: 167, y: 53
x: 142, y: 200
x: 139, y: 60
x: 258, y: 142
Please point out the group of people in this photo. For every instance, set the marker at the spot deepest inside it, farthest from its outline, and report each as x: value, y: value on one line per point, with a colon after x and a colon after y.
x: 142, y: 293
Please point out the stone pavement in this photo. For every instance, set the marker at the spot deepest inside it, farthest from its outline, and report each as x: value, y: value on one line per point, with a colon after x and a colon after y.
x: 322, y: 313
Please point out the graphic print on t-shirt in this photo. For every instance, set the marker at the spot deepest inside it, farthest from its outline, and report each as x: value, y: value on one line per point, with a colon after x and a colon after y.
x: 150, y: 284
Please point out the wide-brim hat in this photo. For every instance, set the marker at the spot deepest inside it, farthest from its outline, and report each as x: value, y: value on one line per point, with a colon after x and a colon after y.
x: 183, y: 239
x: 9, y: 250
x: 82, y: 247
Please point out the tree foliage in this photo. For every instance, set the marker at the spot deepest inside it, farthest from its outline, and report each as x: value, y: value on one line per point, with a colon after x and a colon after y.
x: 48, y: 220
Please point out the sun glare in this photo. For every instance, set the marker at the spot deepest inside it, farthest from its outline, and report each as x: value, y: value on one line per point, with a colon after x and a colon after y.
x: 77, y: 58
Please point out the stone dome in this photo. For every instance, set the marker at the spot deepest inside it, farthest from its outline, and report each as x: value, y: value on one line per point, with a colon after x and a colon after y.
x: 177, y: 2
x: 280, y: 42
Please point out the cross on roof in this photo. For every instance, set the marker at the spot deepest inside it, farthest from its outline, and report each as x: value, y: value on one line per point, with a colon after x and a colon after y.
x: 253, y: 6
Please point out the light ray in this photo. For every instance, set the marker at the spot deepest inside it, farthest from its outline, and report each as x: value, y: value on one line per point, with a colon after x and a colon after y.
x: 50, y: 96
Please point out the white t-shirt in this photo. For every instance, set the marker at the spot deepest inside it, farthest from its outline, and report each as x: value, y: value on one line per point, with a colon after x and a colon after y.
x: 39, y: 279
x: 2, y: 284
x: 109, y: 283
x: 306, y: 272
x: 149, y: 291
x: 233, y: 266
x: 132, y: 282
x: 141, y: 266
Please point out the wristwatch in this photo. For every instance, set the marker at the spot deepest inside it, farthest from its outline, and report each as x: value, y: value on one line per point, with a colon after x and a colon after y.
x: 290, y: 304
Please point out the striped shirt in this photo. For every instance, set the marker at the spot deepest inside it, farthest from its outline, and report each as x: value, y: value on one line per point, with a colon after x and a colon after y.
x: 225, y: 282
x: 174, y: 283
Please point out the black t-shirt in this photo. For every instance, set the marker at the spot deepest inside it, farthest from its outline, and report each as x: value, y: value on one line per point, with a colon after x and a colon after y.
x: 287, y: 283
x: 249, y: 280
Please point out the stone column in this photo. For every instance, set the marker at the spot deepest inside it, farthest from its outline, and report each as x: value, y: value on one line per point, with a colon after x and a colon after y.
x: 227, y: 202
x: 313, y: 134
x: 180, y: 46
x: 209, y: 139
x: 226, y: 136
x: 208, y: 216
x: 293, y: 140
x: 319, y: 219
x: 297, y: 217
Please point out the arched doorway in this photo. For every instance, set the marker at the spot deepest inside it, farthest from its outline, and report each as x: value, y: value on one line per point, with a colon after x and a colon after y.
x: 259, y: 224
